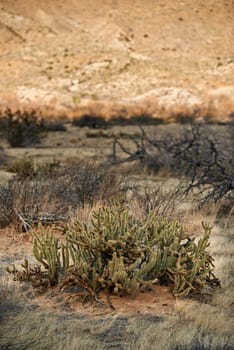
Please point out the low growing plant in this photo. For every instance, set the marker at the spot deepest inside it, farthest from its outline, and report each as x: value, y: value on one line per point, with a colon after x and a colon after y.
x: 28, y: 168
x: 119, y: 253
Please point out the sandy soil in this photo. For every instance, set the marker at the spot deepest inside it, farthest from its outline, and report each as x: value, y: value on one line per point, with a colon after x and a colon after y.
x: 15, y: 247
x: 112, y: 56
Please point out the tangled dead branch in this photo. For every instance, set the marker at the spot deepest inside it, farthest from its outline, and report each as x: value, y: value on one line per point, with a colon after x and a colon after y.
x: 203, y: 156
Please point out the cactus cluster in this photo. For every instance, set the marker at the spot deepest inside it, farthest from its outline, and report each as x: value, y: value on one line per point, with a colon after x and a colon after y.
x: 119, y: 253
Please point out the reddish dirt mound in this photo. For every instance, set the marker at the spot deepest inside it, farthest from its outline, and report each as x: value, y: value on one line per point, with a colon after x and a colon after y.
x: 154, y: 300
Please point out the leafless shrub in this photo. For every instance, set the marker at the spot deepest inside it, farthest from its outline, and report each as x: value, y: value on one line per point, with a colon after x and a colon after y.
x: 25, y: 201
x: 203, y: 157
x: 88, y: 182
x: 6, y: 206
x: 162, y: 203
x: 48, y: 197
x: 143, y: 149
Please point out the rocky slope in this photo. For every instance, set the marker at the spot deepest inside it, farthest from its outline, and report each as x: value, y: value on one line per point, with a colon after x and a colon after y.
x: 116, y: 56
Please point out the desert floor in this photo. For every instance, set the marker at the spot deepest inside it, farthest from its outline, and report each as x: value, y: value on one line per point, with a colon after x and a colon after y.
x: 173, y: 61
x: 154, y: 319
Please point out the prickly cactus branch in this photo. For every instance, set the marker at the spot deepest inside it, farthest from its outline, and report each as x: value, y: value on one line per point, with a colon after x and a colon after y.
x: 119, y: 253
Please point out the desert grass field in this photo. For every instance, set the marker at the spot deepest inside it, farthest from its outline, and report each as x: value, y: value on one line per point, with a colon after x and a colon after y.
x: 151, y: 319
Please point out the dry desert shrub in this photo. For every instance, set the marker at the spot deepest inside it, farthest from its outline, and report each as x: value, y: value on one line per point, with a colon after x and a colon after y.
x: 88, y: 182
x: 155, y: 198
x: 24, y: 128
x: 21, y: 128
x: 48, y: 193
x: 201, y: 155
x: 205, y: 158
x: 28, y: 168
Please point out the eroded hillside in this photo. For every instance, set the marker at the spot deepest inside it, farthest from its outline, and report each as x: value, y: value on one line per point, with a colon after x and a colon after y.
x: 158, y: 55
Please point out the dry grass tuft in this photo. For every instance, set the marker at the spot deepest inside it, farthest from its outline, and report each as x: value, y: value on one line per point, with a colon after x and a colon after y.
x: 207, y: 317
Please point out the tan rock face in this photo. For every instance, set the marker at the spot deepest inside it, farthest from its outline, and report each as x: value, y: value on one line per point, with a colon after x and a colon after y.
x: 67, y: 54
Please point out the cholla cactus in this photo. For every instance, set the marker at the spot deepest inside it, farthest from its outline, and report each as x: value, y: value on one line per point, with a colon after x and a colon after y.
x: 46, y: 250
x: 119, y: 253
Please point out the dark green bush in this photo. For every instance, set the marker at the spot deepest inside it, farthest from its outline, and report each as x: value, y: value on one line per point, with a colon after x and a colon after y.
x: 139, y: 119
x: 21, y: 128
x: 90, y: 121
